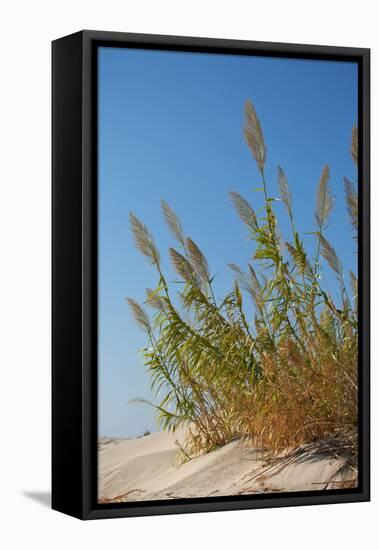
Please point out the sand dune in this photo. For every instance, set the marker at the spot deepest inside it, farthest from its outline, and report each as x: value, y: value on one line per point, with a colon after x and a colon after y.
x: 150, y: 468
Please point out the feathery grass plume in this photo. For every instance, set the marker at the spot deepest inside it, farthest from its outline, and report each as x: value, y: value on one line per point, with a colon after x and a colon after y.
x: 354, y: 144
x: 154, y: 300
x: 354, y: 288
x: 181, y: 265
x: 325, y: 201
x: 236, y: 269
x: 244, y: 210
x: 254, y: 279
x: 254, y: 135
x: 139, y: 314
x: 248, y: 282
x: 330, y: 256
x: 280, y: 240
x: 285, y: 191
x: 144, y: 240
x: 173, y: 223
x: 351, y: 202
x: 198, y: 260
x: 354, y: 282
x: 241, y: 277
x: 256, y: 287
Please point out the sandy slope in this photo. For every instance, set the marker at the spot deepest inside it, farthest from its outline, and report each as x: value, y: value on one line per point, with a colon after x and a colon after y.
x: 148, y: 468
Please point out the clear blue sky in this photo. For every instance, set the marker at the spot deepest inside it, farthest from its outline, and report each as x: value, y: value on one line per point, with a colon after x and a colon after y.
x: 170, y: 126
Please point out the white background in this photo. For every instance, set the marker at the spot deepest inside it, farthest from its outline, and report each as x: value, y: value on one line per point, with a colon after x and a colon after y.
x: 26, y: 31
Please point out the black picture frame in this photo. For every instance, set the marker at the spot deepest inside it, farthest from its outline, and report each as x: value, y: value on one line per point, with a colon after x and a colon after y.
x: 74, y: 273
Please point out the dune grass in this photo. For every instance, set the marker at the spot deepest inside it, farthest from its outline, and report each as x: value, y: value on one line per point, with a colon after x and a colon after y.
x: 284, y: 377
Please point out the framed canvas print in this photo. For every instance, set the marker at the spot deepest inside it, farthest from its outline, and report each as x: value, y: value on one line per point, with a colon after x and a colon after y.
x: 210, y: 275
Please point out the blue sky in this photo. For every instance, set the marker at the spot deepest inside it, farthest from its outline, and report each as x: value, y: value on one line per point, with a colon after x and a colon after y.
x: 170, y: 127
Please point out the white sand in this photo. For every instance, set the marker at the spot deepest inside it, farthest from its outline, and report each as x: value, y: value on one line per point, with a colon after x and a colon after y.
x: 149, y: 468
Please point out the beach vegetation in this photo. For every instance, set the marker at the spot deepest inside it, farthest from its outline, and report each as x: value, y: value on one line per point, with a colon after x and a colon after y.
x: 282, y: 376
